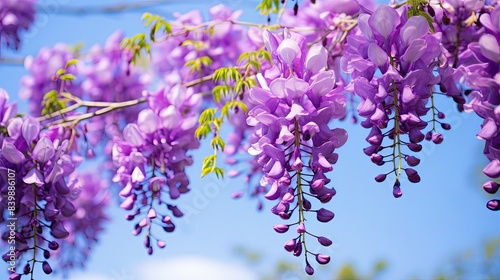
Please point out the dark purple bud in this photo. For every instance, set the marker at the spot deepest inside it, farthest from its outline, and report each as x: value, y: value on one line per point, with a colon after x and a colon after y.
x: 58, y: 230
x: 441, y: 115
x: 437, y: 138
x: 412, y: 161
x: 147, y: 242
x: 415, y: 135
x: 27, y: 268
x: 446, y: 19
x: 297, y: 251
x: 284, y: 215
x: 53, y: 245
x: 46, y: 267
x: 309, y: 269
x: 313, y: 1
x: 295, y: 9
x: 493, y: 205
x: 371, y: 150
x: 446, y: 126
x: 428, y: 136
x: 322, y: 259
x: 306, y: 204
x: 412, y: 175
x: 150, y: 250
x: 169, y: 228
x: 290, y: 245
x: 380, y: 177
x: 414, y: 147
x: 46, y: 254
x: 323, y: 215
x: 377, y: 159
x: 281, y: 228
x: 324, y: 241
x: 491, y: 187
x: 129, y: 217
x: 431, y: 11
x: 175, y: 211
x: 396, y: 191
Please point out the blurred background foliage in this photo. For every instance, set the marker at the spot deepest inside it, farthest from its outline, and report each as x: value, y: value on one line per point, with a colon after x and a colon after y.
x: 482, y: 263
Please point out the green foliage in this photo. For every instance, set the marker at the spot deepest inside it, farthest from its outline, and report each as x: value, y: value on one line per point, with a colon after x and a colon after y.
x: 157, y: 24
x: 227, y: 94
x: 209, y: 166
x: 197, y: 45
x: 347, y: 272
x: 416, y: 8
x: 267, y: 7
x: 198, y: 63
x: 136, y: 45
x: 51, y: 103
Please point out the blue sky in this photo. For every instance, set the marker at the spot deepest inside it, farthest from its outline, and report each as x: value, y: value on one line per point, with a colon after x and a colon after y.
x: 416, y: 234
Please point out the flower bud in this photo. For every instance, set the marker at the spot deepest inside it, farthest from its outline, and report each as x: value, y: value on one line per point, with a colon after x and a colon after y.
x: 290, y: 245
x: 324, y: 241
x: 53, y: 245
x: 380, y: 177
x: 281, y: 228
x: 301, y: 228
x: 412, y: 161
x: 491, y: 187
x: 437, y: 138
x: 323, y: 215
x: 493, y: 205
x: 309, y: 269
x: 46, y: 267
x: 26, y: 269
x: 446, y: 126
x: 322, y: 259
x: 412, y: 175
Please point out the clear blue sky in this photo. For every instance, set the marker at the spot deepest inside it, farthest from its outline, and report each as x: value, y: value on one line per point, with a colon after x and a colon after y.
x: 416, y: 234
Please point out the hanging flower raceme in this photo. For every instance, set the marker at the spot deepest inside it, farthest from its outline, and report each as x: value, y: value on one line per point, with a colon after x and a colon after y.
x: 152, y: 157
x: 484, y: 57
x: 15, y: 16
x: 404, y: 51
x: 41, y: 162
x: 90, y: 196
x: 294, y: 104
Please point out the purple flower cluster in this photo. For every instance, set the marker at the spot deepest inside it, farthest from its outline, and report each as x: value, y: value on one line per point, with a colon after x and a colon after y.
x: 90, y: 197
x: 294, y: 104
x: 107, y: 76
x: 223, y: 43
x: 42, y: 76
x: 15, y: 16
x: 405, y: 54
x: 482, y: 63
x: 152, y: 156
x: 41, y: 162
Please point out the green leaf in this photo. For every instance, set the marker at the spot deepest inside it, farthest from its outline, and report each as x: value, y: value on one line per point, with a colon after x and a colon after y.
x: 67, y: 77
x: 205, y: 171
x: 60, y: 72
x: 219, y: 172
x: 71, y: 62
